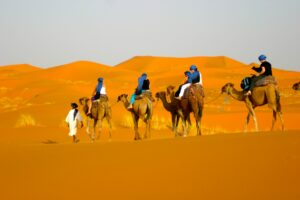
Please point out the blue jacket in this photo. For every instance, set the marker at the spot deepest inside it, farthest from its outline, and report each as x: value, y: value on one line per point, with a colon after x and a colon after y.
x: 195, y: 77
x: 189, y: 75
x: 141, y: 80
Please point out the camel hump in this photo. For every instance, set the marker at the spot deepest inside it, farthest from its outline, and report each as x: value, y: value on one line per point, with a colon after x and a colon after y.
x: 145, y: 95
x: 195, y: 90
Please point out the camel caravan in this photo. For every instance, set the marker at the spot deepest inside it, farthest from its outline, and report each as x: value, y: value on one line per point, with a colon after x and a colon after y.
x: 258, y: 90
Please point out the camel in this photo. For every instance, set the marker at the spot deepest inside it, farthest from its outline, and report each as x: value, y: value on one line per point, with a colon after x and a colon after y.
x: 192, y: 101
x: 260, y: 96
x: 296, y: 86
x: 100, y: 110
x: 174, y: 109
x: 142, y: 109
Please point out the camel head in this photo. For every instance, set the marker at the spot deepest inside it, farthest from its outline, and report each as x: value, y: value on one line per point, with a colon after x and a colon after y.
x: 83, y: 101
x: 158, y: 95
x: 170, y: 89
x: 296, y: 86
x: 227, y: 88
x: 122, y: 98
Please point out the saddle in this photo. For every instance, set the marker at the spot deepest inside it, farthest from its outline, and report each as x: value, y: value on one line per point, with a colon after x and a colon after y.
x: 147, y: 94
x: 266, y: 81
x: 103, y: 98
x: 194, y: 90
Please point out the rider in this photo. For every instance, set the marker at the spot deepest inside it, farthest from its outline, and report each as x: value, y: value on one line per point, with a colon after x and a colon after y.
x: 194, y: 78
x: 143, y: 86
x: 265, y: 69
x: 187, y: 80
x: 99, y: 91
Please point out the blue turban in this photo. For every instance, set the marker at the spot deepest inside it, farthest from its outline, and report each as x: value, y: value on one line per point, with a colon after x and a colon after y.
x: 262, y: 57
x: 193, y: 67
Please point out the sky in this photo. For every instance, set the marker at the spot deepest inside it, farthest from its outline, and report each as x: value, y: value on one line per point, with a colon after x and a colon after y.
x: 47, y: 33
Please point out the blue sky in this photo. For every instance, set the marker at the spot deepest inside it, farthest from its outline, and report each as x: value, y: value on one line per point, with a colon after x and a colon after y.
x: 52, y: 32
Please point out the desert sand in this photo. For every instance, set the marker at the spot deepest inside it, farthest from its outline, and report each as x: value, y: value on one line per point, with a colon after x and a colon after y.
x: 39, y: 161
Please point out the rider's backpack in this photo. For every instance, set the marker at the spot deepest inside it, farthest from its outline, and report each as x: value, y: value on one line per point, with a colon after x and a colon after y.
x: 245, y: 84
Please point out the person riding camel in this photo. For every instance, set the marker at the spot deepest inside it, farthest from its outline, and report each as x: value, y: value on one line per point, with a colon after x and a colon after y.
x: 194, y: 77
x: 264, y: 70
x: 99, y: 91
x: 188, y: 80
x: 143, y: 86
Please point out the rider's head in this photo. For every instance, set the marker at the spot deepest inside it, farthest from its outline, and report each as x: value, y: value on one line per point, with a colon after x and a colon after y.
x: 74, y: 105
x: 262, y: 58
x: 193, y: 68
x: 144, y: 75
x: 100, y: 79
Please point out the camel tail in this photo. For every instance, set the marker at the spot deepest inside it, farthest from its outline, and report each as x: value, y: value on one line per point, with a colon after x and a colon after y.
x: 278, y: 101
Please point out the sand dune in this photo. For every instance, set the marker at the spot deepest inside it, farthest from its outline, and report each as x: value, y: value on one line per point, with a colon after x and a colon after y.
x: 223, y: 164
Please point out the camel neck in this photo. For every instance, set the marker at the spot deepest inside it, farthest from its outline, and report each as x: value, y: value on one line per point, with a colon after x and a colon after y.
x: 85, y: 108
x: 238, y: 95
x: 166, y: 105
x: 126, y: 103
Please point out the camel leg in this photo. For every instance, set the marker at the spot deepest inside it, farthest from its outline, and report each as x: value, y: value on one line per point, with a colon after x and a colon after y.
x: 187, y: 124
x: 88, y: 127
x: 136, y: 125
x: 195, y: 109
x: 199, y: 119
x: 247, y: 122
x: 173, y: 121
x: 251, y: 111
x: 176, y: 124
x: 255, y: 121
x: 147, y: 132
x: 281, y: 120
x: 110, y: 126
x: 183, y: 120
x: 94, y: 131
x: 99, y: 129
x: 273, y: 120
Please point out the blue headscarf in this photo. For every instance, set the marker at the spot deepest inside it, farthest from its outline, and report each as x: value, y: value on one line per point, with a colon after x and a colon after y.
x: 193, y: 67
x: 100, y: 84
x: 141, y: 81
x: 262, y: 57
x: 195, y: 76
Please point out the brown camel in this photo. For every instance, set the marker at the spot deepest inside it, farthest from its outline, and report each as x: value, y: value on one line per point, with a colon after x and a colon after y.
x: 192, y: 101
x: 100, y: 110
x: 296, y: 86
x: 260, y: 96
x: 142, y: 109
x: 173, y: 108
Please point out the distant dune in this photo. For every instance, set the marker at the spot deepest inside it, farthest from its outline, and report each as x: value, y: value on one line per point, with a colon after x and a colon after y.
x: 40, y: 162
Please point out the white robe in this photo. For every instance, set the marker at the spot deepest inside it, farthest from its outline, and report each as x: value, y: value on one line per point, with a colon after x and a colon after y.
x: 73, y: 122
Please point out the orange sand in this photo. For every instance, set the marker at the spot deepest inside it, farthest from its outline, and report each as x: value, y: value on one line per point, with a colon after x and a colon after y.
x: 38, y: 160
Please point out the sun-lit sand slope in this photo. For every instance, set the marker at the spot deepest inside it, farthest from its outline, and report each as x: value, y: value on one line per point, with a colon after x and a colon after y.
x: 35, y: 98
x: 237, y: 166
x: 38, y: 160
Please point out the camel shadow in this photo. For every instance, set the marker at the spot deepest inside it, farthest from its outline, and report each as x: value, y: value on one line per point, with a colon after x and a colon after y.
x: 49, y: 142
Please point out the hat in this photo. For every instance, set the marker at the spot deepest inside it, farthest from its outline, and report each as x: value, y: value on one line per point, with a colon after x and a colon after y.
x: 193, y: 67
x: 262, y: 57
x: 144, y: 74
x: 74, y: 105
